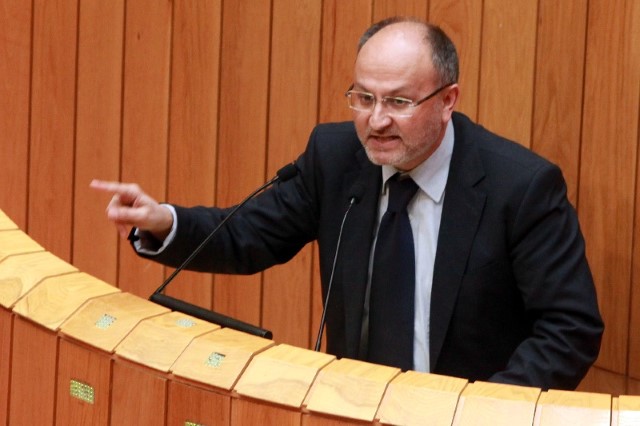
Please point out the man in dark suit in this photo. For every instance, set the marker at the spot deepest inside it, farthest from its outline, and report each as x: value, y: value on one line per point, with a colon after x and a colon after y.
x: 501, y: 289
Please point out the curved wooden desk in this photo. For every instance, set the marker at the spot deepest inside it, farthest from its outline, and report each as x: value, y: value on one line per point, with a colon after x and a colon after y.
x: 77, y: 351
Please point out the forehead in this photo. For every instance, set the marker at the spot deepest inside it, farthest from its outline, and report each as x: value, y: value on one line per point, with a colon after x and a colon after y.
x: 396, y: 57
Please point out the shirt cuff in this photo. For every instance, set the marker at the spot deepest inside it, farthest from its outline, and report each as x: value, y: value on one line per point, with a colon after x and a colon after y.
x: 145, y: 243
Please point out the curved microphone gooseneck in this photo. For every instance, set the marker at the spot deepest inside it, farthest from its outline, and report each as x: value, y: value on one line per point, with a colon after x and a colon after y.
x: 285, y: 173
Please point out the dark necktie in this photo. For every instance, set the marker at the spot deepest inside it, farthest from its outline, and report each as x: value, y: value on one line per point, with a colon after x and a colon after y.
x: 393, y: 281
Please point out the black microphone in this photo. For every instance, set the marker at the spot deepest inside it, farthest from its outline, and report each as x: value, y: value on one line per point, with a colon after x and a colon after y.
x: 285, y: 173
x: 357, y: 190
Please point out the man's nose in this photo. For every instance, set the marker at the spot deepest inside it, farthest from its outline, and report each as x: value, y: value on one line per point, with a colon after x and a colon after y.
x: 379, y: 117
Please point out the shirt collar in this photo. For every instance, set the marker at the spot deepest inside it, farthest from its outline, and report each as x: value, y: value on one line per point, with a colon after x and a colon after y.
x: 431, y: 175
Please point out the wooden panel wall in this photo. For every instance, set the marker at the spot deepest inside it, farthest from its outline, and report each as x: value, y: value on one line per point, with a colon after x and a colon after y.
x: 201, y: 101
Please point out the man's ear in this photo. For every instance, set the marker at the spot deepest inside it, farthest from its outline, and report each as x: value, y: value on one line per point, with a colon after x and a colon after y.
x: 449, y: 101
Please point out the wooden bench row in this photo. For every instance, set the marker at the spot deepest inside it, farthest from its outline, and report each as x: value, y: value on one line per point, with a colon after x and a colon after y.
x: 76, y: 350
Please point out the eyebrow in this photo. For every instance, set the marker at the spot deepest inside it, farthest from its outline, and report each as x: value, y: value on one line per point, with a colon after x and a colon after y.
x: 395, y: 93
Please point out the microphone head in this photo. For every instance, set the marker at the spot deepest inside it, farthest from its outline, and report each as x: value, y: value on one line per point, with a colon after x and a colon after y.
x: 287, y: 172
x: 356, y: 192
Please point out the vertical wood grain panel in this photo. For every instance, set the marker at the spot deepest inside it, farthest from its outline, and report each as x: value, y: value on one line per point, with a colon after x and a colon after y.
x: 633, y: 387
x: 98, y: 125
x: 6, y: 337
x: 316, y: 419
x: 386, y: 8
x: 246, y: 412
x: 634, y: 302
x: 191, y: 404
x: 34, y: 353
x: 194, y: 123
x: 139, y: 394
x: 558, y: 86
x: 243, y: 131
x: 86, y: 366
x: 630, y: 120
x: 52, y: 125
x: 145, y: 118
x: 293, y: 108
x: 603, y: 381
x: 15, y: 69
x: 462, y: 21
x: 608, y: 166
x: 342, y: 25
x: 507, y: 67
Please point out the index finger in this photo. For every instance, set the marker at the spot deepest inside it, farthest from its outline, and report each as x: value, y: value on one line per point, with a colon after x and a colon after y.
x: 114, y: 187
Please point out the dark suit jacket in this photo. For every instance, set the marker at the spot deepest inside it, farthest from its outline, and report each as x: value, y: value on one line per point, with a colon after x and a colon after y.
x: 513, y: 299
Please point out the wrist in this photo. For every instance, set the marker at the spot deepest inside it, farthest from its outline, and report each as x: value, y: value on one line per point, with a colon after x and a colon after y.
x: 165, y: 223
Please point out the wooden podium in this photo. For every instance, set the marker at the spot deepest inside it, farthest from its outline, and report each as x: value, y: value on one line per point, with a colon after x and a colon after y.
x: 77, y: 351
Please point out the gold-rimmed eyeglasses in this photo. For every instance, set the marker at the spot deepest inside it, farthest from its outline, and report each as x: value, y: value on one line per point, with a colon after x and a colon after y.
x: 397, y: 106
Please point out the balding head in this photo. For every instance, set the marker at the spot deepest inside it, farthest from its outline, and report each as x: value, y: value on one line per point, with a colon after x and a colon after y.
x: 439, y: 46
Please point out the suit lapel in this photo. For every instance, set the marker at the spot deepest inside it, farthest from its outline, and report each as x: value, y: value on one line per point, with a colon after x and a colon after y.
x: 462, y: 211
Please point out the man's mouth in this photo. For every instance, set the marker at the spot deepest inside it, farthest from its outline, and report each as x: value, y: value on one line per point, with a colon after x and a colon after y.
x: 383, y: 139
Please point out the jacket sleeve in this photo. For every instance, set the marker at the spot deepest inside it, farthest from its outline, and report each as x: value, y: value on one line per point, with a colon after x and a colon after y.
x: 553, y: 277
x: 268, y: 230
